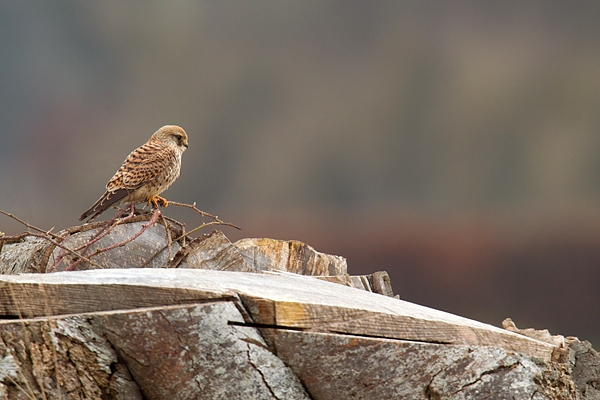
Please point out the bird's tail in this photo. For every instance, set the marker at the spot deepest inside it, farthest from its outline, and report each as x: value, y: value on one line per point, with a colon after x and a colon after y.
x: 103, y: 203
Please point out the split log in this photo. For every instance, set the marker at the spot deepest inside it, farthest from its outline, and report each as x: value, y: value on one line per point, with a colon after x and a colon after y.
x: 307, y: 323
x: 214, y: 319
x: 26, y: 256
x: 291, y: 256
x: 152, y: 249
x: 335, y: 339
x: 377, y: 282
x: 35, y: 254
x: 179, y: 352
x: 397, y: 369
x: 274, y: 300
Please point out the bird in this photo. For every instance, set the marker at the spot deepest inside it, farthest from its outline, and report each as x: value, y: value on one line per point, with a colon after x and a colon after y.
x: 146, y: 172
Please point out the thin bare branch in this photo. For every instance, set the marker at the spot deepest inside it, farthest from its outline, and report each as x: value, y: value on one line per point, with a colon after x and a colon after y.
x: 183, y: 236
x: 13, y: 239
x: 29, y: 225
x: 152, y: 221
x: 168, y: 233
x: 108, y: 227
x: 204, y: 213
x: 78, y: 253
x: 54, y: 242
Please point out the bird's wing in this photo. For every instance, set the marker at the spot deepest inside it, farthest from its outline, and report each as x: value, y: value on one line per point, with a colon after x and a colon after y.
x: 141, y: 166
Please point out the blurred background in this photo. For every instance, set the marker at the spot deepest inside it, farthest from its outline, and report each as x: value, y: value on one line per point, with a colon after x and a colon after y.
x: 455, y: 145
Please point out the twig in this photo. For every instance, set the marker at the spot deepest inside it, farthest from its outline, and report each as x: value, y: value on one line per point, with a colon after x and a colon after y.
x: 183, y: 244
x: 108, y: 227
x: 29, y: 225
x: 79, y: 256
x: 204, y: 213
x: 152, y: 221
x: 65, y: 248
x: 31, y: 396
x: 13, y: 239
x: 59, y: 257
x: 216, y: 221
x: 180, y: 224
x: 183, y: 236
x: 168, y: 234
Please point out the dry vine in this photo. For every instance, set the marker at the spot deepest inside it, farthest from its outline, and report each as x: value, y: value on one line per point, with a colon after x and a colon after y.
x: 78, y: 254
x: 216, y: 221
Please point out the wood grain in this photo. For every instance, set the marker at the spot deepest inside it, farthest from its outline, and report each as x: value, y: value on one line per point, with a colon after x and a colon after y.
x: 283, y: 300
x: 291, y: 256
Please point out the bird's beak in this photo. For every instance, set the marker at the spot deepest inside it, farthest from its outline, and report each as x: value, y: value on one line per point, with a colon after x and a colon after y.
x: 185, y: 144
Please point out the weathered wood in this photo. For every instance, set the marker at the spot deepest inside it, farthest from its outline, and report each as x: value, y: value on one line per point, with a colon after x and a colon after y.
x: 343, y: 367
x: 291, y: 256
x: 377, y: 282
x: 284, y: 300
x: 23, y: 257
x: 34, y: 254
x: 538, y: 334
x: 177, y: 352
x: 214, y: 251
x: 132, y: 255
x: 30, y: 299
x: 211, y: 251
x: 60, y: 358
x: 198, y: 330
x: 586, y: 369
x: 381, y: 283
x: 196, y: 353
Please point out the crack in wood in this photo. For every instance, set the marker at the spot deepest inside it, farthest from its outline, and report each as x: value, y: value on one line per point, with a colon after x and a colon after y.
x: 343, y: 333
x: 387, y: 337
x: 262, y: 376
x: 430, y: 393
x: 496, y: 370
x: 265, y: 326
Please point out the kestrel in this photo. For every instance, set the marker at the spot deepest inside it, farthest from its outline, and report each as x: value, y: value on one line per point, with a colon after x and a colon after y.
x: 146, y: 172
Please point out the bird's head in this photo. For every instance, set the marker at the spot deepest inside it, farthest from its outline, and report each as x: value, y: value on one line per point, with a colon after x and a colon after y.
x: 172, y: 134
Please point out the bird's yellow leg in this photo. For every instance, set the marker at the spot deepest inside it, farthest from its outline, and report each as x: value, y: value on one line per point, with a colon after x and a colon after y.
x: 162, y: 201
x: 158, y: 201
x: 152, y: 201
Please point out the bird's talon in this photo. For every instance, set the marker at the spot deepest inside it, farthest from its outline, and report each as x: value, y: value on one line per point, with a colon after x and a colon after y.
x: 158, y: 201
x: 162, y: 201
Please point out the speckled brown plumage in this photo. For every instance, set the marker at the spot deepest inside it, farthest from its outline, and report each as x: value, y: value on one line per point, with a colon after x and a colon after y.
x: 146, y: 172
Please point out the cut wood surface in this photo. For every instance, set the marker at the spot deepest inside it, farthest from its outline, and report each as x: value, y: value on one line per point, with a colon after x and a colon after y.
x: 211, y: 251
x: 274, y: 299
x: 393, y: 369
x: 137, y: 252
x: 152, y: 249
x: 176, y: 352
x: 377, y: 282
x: 290, y: 256
x: 258, y: 318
